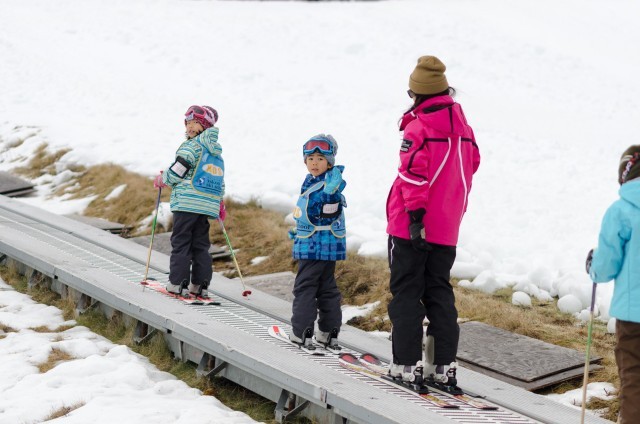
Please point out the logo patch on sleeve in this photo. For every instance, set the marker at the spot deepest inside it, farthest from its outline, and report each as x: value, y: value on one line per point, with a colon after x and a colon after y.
x: 406, y: 145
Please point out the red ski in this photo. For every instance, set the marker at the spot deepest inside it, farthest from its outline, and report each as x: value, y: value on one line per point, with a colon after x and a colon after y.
x: 190, y: 300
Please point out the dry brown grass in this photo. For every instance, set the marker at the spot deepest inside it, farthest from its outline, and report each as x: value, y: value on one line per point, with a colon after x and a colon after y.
x: 42, y: 162
x: 254, y: 231
x: 6, y: 328
x: 61, y: 412
x: 135, y: 203
x: 56, y: 356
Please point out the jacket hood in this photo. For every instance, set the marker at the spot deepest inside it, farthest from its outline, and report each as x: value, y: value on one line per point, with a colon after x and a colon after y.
x: 630, y: 191
x: 209, y: 140
x: 440, y: 113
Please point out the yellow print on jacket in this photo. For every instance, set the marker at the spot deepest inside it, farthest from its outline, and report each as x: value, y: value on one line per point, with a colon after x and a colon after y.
x: 213, y: 170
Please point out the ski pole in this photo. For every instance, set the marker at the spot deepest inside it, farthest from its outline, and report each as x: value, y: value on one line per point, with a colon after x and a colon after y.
x: 153, y: 231
x: 586, y: 362
x: 245, y: 292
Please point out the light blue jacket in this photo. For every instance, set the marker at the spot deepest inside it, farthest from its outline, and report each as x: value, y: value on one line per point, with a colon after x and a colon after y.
x: 184, y: 197
x: 618, y: 253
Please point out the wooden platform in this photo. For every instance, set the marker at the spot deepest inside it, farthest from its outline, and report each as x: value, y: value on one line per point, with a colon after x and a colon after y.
x: 162, y: 243
x: 103, y: 224
x: 279, y: 284
x: 519, y: 360
x: 13, y: 186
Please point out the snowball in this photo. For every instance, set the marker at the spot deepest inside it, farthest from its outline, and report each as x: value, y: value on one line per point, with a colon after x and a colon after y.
x: 569, y: 304
x: 611, y: 326
x: 542, y: 277
x: 521, y: 299
x: 486, y: 282
x: 116, y: 192
x: 258, y: 259
x: 584, y: 315
x: 543, y: 296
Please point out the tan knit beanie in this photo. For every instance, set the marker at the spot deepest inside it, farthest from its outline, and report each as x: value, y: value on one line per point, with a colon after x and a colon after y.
x: 428, y: 76
x: 629, y: 168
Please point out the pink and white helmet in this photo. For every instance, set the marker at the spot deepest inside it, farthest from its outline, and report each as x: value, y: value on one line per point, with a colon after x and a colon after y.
x: 205, y: 115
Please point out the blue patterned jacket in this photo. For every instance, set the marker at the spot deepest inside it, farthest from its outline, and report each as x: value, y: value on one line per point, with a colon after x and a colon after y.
x: 321, y: 245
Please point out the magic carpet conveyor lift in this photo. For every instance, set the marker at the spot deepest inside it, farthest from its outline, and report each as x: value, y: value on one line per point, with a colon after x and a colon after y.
x: 101, y: 270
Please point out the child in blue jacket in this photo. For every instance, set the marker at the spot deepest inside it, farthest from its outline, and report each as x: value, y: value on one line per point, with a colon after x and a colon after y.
x: 319, y: 241
x: 618, y: 257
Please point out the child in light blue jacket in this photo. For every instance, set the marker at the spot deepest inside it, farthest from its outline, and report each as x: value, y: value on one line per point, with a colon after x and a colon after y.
x: 617, y: 257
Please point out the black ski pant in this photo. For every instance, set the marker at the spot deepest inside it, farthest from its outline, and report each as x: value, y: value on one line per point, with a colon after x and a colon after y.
x: 190, y: 250
x: 420, y: 287
x: 316, y: 295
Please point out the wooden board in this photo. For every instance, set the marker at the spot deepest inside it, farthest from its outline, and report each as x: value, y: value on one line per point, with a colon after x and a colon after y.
x: 103, y: 224
x: 162, y: 244
x: 13, y: 186
x: 516, y: 359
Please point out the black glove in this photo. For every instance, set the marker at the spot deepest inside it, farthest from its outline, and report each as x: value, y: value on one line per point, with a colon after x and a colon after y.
x: 416, y: 230
x: 589, y: 260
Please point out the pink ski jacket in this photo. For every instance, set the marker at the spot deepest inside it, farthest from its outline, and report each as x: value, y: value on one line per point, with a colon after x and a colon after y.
x: 438, y: 158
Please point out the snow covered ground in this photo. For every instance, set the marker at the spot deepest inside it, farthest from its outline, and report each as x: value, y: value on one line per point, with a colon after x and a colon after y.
x: 106, y: 382
x: 549, y: 87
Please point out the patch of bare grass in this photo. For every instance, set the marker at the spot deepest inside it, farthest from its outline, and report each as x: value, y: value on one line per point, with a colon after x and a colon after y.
x: 42, y: 162
x: 56, y: 356
x: 136, y: 202
x: 254, y: 231
x: 63, y: 411
x: 7, y: 329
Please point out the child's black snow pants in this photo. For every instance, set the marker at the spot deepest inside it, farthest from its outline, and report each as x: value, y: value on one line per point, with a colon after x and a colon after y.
x: 316, y: 295
x: 190, y: 249
x: 420, y: 287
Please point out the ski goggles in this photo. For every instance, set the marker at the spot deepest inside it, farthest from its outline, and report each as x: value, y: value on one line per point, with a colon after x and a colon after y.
x: 321, y: 146
x: 194, y: 112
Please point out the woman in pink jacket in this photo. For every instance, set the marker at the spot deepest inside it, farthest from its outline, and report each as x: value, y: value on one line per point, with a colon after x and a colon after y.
x: 438, y: 157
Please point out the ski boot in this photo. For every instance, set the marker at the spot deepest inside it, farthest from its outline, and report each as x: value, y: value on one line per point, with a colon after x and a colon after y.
x: 175, y: 288
x: 305, y: 342
x: 441, y: 377
x: 198, y: 290
x: 409, y: 375
x: 444, y: 378
x: 329, y: 340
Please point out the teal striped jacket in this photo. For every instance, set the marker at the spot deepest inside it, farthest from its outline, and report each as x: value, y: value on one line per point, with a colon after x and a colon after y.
x: 184, y: 198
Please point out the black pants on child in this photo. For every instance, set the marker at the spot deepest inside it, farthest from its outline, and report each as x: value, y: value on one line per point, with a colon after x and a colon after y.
x: 190, y: 249
x: 420, y: 287
x: 316, y: 294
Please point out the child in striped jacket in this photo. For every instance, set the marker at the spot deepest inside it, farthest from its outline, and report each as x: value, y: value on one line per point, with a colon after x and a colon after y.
x: 196, y: 178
